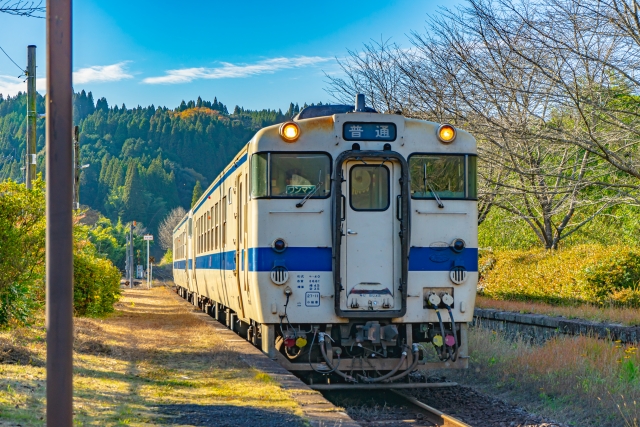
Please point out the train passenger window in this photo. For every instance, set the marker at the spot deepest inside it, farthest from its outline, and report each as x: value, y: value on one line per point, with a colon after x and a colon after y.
x: 211, y: 229
x: 449, y: 176
x: 291, y: 175
x: 217, y: 229
x: 369, y: 188
x: 223, y: 228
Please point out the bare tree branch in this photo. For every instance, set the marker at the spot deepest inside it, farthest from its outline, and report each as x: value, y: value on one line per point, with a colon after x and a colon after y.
x: 34, y: 9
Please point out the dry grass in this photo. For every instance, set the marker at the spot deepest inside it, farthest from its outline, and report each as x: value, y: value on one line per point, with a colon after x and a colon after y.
x: 582, y: 380
x: 150, y: 352
x: 625, y: 316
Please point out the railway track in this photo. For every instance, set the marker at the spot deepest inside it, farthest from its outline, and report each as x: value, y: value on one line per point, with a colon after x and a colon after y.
x: 434, y: 415
x: 390, y: 408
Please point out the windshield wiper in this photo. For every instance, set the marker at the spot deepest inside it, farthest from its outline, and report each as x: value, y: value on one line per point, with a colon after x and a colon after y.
x: 427, y: 185
x: 304, y: 200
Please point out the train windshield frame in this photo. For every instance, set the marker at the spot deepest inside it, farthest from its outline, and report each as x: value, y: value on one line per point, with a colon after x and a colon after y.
x: 450, y: 176
x: 291, y: 175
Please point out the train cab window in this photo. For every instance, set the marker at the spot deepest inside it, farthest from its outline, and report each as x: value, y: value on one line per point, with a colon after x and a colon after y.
x: 369, y: 188
x: 291, y: 175
x: 449, y: 176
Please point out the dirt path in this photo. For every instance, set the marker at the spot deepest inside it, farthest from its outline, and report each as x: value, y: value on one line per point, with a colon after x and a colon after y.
x: 150, y: 363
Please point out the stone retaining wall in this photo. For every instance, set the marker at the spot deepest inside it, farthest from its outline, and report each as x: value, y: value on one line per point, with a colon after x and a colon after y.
x: 537, y: 328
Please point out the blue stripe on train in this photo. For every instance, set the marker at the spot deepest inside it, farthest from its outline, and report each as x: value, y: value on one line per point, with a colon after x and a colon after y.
x: 294, y: 258
x: 319, y: 259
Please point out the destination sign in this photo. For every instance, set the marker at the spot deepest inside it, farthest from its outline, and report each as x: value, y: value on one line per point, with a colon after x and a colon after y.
x: 358, y: 131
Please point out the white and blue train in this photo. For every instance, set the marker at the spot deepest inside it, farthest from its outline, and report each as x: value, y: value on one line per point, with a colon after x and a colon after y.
x: 341, y: 241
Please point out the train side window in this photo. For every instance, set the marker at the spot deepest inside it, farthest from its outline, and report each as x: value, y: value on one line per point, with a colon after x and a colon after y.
x: 449, y: 176
x: 369, y: 188
x: 259, y: 175
x: 217, y: 229
x: 223, y: 229
x: 211, y: 229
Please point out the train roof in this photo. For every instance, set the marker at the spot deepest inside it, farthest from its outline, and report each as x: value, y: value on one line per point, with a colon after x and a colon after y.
x: 328, y: 110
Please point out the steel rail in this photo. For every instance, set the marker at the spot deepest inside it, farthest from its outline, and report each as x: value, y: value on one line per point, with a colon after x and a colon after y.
x: 438, y: 417
x: 378, y: 386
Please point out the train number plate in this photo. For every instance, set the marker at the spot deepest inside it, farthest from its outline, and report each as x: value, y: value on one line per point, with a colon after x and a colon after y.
x: 312, y: 299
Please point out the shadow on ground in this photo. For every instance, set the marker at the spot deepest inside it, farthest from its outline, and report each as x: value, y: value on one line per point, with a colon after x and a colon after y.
x: 224, y: 416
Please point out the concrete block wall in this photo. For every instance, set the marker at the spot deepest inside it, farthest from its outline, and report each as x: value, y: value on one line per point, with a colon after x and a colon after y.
x: 537, y: 328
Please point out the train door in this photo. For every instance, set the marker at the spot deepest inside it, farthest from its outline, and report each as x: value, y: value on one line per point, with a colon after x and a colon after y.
x: 370, y: 235
x: 191, y: 255
x: 240, y: 242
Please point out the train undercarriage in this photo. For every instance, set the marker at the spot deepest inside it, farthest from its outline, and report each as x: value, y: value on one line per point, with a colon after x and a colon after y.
x: 360, y: 351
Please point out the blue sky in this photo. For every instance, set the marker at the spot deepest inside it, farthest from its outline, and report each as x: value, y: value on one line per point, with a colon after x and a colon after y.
x: 255, y: 54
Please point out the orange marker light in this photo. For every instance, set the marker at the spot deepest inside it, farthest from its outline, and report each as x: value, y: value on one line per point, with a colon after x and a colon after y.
x: 446, y: 133
x: 289, y: 131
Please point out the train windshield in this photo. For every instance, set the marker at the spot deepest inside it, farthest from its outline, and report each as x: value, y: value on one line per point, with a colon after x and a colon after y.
x: 290, y: 175
x: 448, y: 176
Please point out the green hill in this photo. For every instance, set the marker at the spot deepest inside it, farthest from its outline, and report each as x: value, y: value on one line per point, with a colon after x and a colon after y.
x: 144, y: 161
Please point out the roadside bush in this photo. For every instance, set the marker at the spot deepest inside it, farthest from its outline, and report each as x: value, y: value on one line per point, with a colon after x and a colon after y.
x: 22, y: 243
x: 591, y: 274
x: 22, y: 260
x: 96, y: 285
x: 616, y: 277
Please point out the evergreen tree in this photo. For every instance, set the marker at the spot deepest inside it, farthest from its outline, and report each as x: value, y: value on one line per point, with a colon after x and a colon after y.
x: 134, y: 197
x: 197, y: 192
x: 102, y: 105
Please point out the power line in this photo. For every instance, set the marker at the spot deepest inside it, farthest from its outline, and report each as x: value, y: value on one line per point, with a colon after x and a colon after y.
x: 11, y: 59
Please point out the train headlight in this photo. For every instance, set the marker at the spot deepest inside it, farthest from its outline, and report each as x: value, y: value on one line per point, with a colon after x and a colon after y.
x: 446, y: 133
x: 289, y: 131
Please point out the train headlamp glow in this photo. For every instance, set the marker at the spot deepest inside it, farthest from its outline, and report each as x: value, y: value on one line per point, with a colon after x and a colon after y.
x: 446, y: 133
x: 289, y: 131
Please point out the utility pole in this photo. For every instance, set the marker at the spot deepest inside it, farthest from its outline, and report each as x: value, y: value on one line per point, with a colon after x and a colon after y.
x: 131, y: 262
x: 148, y: 238
x: 59, y: 250
x: 76, y: 169
x: 30, y: 157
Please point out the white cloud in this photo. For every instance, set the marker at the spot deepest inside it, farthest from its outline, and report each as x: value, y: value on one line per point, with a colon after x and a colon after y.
x: 101, y: 73
x: 10, y: 85
x: 231, y: 71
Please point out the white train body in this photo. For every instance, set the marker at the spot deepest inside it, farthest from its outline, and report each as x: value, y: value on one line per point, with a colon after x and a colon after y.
x: 295, y: 239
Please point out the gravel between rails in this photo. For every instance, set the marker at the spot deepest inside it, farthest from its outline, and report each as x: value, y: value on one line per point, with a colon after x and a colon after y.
x: 479, y: 409
x: 384, y: 408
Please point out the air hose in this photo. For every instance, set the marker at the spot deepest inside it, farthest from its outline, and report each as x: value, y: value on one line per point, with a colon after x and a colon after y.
x: 454, y: 357
x: 328, y: 362
x: 416, y: 357
x: 441, y: 356
x: 391, y: 373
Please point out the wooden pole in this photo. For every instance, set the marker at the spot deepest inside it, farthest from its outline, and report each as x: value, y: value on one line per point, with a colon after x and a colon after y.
x: 59, y: 180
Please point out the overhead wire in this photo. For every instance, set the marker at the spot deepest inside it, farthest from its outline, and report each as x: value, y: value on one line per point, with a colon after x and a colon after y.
x: 11, y: 59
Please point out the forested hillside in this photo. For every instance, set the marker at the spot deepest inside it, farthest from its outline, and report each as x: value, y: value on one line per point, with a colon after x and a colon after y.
x: 144, y: 161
